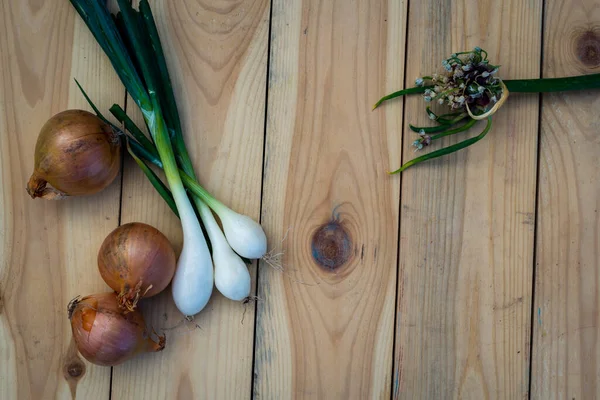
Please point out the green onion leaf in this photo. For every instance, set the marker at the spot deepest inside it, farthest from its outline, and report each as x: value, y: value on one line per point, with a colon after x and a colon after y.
x: 168, y: 103
x: 443, y: 119
x: 90, y: 102
x: 96, y: 110
x: 98, y: 19
x: 136, y: 132
x: 429, y: 129
x: 446, y: 150
x: 134, y: 32
x: 141, y: 152
x: 582, y: 82
x: 413, y: 90
x: 160, y: 187
x: 462, y: 128
x: 120, y: 25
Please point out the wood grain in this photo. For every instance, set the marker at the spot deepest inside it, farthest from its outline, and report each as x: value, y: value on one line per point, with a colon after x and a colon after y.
x: 217, y: 55
x: 49, y: 249
x: 464, y: 286
x: 462, y: 227
x: 325, y: 325
x: 566, y: 348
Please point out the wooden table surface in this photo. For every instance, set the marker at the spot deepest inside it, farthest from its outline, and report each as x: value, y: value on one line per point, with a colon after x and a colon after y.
x: 474, y: 276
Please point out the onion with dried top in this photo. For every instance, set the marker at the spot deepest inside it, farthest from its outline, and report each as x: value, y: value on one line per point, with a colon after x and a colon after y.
x: 76, y: 154
x: 136, y: 260
x: 104, y: 335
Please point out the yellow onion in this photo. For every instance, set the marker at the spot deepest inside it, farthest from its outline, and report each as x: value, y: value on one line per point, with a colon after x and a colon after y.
x: 77, y: 154
x: 104, y: 335
x: 136, y: 260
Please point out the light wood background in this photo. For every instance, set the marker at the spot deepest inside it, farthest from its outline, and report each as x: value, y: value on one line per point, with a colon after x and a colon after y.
x: 473, y: 276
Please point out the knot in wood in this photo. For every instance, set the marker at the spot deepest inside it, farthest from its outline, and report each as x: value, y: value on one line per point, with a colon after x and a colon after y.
x: 331, y: 245
x: 587, y: 48
x: 75, y: 369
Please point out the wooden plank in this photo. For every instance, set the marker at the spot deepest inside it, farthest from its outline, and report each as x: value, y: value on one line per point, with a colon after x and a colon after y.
x: 49, y: 249
x: 566, y: 349
x: 217, y: 58
x: 325, y: 325
x: 466, y: 241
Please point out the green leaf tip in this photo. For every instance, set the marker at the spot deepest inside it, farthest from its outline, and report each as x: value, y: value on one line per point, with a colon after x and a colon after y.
x: 446, y: 150
x: 403, y: 92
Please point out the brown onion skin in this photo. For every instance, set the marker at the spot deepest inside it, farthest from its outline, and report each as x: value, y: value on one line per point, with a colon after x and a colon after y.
x: 105, y: 335
x: 137, y: 261
x: 77, y: 154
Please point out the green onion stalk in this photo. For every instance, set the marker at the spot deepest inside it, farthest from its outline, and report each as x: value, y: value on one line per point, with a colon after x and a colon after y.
x: 471, y: 88
x: 131, y: 41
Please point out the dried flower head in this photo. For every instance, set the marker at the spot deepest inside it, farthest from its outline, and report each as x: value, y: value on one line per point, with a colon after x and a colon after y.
x: 423, y: 140
x: 470, y: 88
x: 467, y: 82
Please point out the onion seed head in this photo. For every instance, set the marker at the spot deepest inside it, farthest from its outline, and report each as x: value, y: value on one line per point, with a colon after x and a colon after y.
x: 76, y: 154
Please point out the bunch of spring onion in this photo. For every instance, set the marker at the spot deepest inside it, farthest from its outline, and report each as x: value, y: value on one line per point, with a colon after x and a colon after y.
x: 131, y: 41
x: 470, y: 87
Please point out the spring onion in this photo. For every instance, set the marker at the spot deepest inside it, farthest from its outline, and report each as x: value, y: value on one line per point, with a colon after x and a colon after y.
x: 243, y: 234
x: 131, y: 42
x: 232, y: 277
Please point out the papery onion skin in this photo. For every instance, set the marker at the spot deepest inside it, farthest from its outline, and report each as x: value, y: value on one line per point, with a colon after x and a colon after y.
x: 106, y: 336
x: 77, y: 154
x: 137, y: 261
